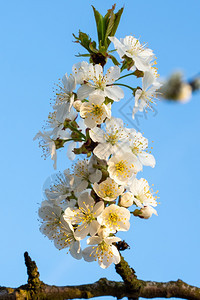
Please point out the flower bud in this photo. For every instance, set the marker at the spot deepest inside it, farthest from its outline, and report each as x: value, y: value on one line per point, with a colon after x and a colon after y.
x: 77, y: 105
x: 126, y: 199
x: 185, y: 93
x: 146, y: 212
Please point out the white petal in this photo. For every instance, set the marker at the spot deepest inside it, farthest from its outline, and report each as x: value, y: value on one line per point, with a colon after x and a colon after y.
x: 147, y: 159
x: 98, y: 208
x: 94, y: 227
x: 82, y: 231
x: 114, y: 92
x: 88, y: 253
x: 75, y: 250
x: 84, y: 91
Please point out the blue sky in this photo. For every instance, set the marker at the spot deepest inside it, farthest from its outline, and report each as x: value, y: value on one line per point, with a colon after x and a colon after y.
x: 37, y: 49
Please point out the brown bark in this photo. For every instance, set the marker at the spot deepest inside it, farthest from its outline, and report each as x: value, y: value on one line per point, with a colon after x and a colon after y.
x: 131, y: 287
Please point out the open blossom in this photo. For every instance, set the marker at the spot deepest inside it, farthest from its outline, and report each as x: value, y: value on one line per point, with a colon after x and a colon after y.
x: 84, y: 173
x: 105, y: 251
x: 123, y: 167
x: 82, y: 71
x: 142, y: 194
x: 65, y: 96
x: 50, y: 217
x: 132, y: 48
x: 48, y: 145
x: 67, y: 239
x: 95, y: 111
x: 59, y: 190
x: 85, y: 215
x: 92, y: 79
x: 137, y: 144
x: 145, y: 97
x: 110, y: 142
x: 116, y: 218
x: 108, y: 190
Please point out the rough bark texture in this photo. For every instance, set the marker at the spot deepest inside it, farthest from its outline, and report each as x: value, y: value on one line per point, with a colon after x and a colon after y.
x: 131, y: 287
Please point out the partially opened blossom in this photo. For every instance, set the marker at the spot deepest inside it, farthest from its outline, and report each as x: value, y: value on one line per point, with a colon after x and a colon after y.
x: 95, y: 111
x: 85, y: 216
x: 110, y: 141
x: 126, y: 199
x: 144, y: 98
x: 105, y: 252
x: 122, y: 167
x: 94, y: 80
x: 48, y: 146
x: 108, y: 190
x: 65, y: 97
x: 146, y: 212
x: 116, y: 218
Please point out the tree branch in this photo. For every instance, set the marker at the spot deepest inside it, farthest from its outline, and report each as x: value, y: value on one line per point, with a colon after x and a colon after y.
x: 132, y: 288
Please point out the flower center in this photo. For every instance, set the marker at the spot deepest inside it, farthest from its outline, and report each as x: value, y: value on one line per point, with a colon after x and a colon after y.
x: 120, y: 167
x: 97, y: 109
x: 113, y: 217
x: 112, y: 138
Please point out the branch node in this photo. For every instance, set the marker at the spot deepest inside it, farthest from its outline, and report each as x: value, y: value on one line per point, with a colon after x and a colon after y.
x: 34, y: 282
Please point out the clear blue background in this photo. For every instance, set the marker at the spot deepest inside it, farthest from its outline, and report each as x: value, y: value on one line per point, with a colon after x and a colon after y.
x: 37, y: 49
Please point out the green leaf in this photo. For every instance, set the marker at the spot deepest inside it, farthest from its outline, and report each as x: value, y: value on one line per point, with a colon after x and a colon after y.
x: 99, y: 23
x: 109, y: 29
x: 85, y: 41
x: 92, y: 48
x: 82, y: 55
x: 116, y: 23
x: 114, y: 60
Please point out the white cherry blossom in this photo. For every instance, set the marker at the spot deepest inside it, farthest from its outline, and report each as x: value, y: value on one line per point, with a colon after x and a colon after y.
x: 108, y: 189
x: 137, y: 144
x: 142, y: 194
x: 94, y: 111
x: 48, y: 145
x: 84, y: 173
x: 122, y: 167
x: 105, y: 252
x: 145, y: 97
x: 85, y: 215
x: 51, y: 216
x: 81, y: 71
x: 65, y: 97
x: 67, y: 239
x: 92, y: 79
x: 132, y: 48
x: 116, y: 218
x: 110, y: 141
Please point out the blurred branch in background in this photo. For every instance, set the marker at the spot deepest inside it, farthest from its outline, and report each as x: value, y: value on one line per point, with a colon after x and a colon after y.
x: 175, y: 88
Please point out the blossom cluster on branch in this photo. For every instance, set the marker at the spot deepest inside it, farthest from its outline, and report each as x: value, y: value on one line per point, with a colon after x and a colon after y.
x: 96, y: 198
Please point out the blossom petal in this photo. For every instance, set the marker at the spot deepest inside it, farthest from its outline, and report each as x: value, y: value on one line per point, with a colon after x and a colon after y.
x: 114, y: 92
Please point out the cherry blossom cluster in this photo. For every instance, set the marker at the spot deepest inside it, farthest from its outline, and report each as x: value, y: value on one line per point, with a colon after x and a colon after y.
x: 95, y: 199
